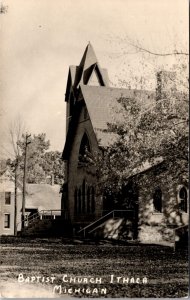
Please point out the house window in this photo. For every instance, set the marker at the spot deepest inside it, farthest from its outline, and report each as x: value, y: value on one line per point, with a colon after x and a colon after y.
x: 157, y: 200
x: 183, y: 199
x: 7, y: 221
x: 7, y: 198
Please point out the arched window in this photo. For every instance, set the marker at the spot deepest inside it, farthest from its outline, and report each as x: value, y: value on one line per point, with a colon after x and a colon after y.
x: 157, y: 200
x: 183, y: 199
x: 76, y: 202
x: 83, y: 195
x: 92, y: 200
x: 79, y: 202
x: 88, y: 200
x: 84, y: 149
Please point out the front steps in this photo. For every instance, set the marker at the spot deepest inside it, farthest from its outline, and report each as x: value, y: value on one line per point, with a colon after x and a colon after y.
x: 115, y: 225
x: 47, y: 228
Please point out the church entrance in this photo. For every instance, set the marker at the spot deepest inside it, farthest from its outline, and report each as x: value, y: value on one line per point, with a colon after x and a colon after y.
x: 124, y: 203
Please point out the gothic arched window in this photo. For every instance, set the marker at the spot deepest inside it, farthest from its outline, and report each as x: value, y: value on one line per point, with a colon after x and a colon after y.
x: 183, y: 199
x: 88, y: 200
x: 83, y: 195
x: 79, y: 202
x: 157, y: 200
x: 84, y: 149
x: 92, y: 200
x: 76, y: 202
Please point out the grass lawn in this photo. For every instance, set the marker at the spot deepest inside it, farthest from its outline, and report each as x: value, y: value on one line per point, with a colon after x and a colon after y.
x: 166, y: 272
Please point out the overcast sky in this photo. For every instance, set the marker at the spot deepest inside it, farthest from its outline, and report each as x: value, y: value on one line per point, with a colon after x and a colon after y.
x: 40, y: 39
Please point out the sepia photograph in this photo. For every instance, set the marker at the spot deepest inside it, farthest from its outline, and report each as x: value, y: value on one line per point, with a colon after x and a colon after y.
x: 94, y: 119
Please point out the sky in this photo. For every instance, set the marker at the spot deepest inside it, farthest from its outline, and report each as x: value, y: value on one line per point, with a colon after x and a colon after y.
x: 40, y: 39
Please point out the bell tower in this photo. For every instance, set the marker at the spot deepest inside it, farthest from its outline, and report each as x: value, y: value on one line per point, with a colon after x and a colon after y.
x: 88, y: 72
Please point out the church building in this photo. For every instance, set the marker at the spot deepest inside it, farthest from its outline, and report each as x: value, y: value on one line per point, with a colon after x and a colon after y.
x: 91, y: 105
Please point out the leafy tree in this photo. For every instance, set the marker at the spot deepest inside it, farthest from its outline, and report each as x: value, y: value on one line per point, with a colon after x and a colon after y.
x: 42, y: 163
x: 157, y: 131
x: 53, y: 164
x: 35, y: 157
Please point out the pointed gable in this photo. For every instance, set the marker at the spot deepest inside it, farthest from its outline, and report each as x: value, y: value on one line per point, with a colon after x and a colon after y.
x: 89, y: 64
x: 88, y: 72
x: 94, y: 79
x: 89, y: 58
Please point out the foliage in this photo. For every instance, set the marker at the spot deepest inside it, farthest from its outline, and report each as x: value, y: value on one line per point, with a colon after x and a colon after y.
x: 53, y: 164
x: 41, y: 163
x: 144, y: 135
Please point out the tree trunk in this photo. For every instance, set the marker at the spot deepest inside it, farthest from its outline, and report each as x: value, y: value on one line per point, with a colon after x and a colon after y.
x: 15, y: 202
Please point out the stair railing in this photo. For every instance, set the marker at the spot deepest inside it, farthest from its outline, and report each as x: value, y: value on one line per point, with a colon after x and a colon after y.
x: 41, y: 214
x: 112, y: 213
x: 31, y: 218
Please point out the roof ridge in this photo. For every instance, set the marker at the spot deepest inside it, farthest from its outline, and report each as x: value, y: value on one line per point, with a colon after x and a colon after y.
x: 114, y: 88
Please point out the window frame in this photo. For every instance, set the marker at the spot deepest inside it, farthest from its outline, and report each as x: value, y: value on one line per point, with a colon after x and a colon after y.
x: 84, y: 150
x: 8, y: 221
x: 8, y: 198
x: 181, y: 186
x: 157, y: 212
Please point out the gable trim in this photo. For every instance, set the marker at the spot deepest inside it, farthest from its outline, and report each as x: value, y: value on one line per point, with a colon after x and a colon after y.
x: 97, y: 71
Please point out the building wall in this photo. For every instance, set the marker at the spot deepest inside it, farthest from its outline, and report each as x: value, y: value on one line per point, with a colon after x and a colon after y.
x: 6, y: 185
x: 6, y: 209
x: 155, y: 226
x: 76, y: 173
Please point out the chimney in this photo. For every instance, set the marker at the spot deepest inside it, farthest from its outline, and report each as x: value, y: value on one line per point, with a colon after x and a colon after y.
x: 166, y: 84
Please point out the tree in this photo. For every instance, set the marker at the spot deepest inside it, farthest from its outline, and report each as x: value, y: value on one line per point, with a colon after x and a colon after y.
x: 35, y: 157
x: 148, y: 61
x: 54, y: 166
x: 3, y: 9
x: 42, y: 163
x: 16, y: 130
x: 39, y: 163
x: 139, y: 48
x: 144, y: 134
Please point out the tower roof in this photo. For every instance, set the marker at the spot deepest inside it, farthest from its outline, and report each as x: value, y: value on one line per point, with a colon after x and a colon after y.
x: 89, y: 58
x: 83, y: 73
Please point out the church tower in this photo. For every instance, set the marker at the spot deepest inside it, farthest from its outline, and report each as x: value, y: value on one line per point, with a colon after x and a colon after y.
x: 88, y: 72
x: 79, y: 197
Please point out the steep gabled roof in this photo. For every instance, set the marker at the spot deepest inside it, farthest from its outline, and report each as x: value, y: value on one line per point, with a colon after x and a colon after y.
x: 88, y: 64
x: 43, y: 197
x: 103, y: 107
x: 89, y: 58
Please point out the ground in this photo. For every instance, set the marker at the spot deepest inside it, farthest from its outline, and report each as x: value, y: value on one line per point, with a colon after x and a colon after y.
x: 166, y: 271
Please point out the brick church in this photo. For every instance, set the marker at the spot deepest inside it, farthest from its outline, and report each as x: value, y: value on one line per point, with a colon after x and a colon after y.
x: 90, y: 104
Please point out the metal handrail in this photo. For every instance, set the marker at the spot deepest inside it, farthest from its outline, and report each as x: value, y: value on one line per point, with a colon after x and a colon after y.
x: 38, y: 214
x: 101, y: 219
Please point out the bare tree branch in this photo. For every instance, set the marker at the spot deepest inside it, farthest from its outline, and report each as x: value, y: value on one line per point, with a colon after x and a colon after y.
x: 141, y: 49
